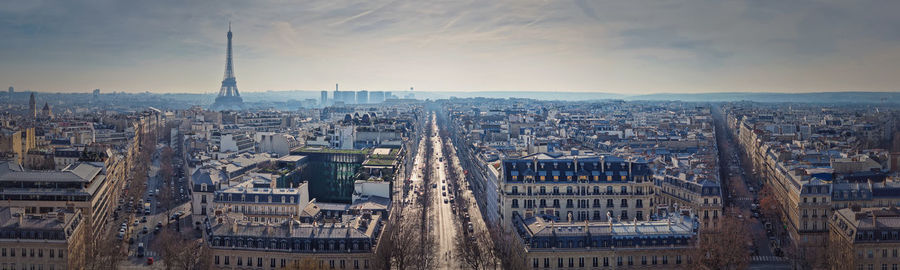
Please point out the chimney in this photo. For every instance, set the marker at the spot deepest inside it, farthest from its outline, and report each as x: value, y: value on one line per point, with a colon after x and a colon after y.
x: 874, y: 219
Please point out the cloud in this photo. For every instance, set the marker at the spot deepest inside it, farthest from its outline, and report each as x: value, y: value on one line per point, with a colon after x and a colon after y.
x: 621, y: 46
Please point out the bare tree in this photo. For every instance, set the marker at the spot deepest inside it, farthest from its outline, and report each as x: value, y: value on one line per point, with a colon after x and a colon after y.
x: 507, y: 247
x: 178, y: 252
x: 104, y: 252
x: 725, y: 246
x: 768, y: 204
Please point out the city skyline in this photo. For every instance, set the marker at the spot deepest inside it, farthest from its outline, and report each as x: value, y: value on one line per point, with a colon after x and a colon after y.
x: 578, y: 46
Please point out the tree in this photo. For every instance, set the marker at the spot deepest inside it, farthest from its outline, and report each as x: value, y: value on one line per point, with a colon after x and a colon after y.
x: 104, y: 252
x: 178, y: 252
x: 507, y: 247
x: 725, y: 246
x: 768, y: 204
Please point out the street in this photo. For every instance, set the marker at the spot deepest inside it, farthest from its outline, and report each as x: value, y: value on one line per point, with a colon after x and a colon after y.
x: 742, y: 192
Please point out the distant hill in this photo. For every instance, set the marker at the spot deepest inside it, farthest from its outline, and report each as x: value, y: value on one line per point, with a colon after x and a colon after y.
x: 820, y: 97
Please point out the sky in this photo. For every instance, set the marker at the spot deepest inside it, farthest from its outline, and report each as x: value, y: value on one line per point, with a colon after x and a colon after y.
x: 624, y: 47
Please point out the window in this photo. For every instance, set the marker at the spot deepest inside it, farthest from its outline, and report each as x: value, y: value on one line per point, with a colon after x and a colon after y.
x: 596, y: 262
x: 605, y: 261
x: 580, y: 262
x: 677, y: 259
x: 547, y: 262
x: 535, y: 263
x: 515, y: 203
x: 609, y: 203
x: 639, y: 203
x: 624, y: 203
x: 226, y: 260
x: 643, y: 260
x: 559, y: 262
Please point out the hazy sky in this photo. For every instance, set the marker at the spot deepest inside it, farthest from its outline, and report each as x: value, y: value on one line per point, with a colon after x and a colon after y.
x: 629, y: 47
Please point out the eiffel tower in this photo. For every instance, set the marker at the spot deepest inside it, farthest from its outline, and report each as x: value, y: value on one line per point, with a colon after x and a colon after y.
x: 229, y: 98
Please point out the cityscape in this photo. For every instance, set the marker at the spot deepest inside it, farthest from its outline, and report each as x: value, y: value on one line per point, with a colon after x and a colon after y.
x: 795, y: 175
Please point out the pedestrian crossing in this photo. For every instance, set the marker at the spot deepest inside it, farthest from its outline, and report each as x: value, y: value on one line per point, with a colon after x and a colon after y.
x: 767, y: 259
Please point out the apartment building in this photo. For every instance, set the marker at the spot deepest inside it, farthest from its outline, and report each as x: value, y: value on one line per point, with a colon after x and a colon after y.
x: 575, y: 187
x: 659, y: 244
x: 865, y: 238
x: 49, y: 241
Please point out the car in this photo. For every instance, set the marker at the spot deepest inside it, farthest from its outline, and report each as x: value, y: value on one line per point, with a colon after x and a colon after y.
x: 145, y: 230
x: 140, y: 250
x: 144, y: 219
x: 149, y: 260
x: 445, y: 201
x: 146, y: 212
x: 136, y: 222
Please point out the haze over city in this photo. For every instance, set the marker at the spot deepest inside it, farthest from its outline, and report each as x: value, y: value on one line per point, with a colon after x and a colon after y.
x: 482, y: 135
x: 622, y: 47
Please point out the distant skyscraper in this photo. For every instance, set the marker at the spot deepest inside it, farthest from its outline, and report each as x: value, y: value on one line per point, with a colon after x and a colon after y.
x: 362, y: 97
x: 12, y: 90
x: 229, y: 98
x: 324, y: 100
x: 376, y: 96
x: 32, y: 106
x: 387, y: 95
x: 337, y: 95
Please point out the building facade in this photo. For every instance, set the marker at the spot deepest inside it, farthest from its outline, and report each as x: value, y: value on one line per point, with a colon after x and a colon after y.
x: 575, y: 188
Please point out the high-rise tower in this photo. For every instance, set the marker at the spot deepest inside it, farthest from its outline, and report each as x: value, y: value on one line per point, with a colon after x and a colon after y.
x: 229, y: 98
x: 32, y: 107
